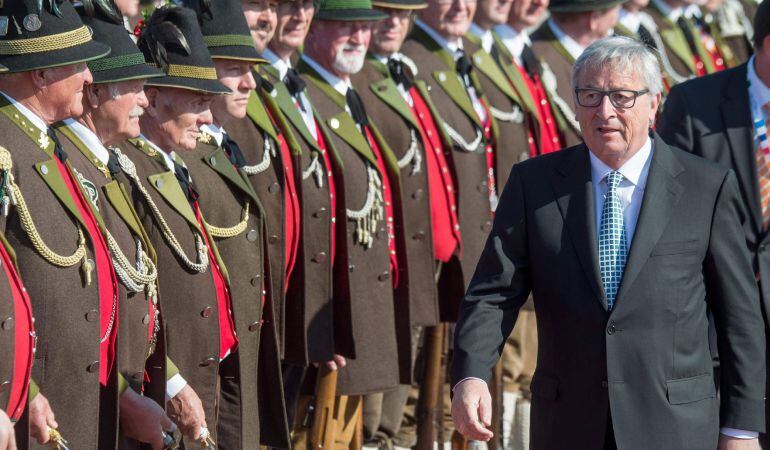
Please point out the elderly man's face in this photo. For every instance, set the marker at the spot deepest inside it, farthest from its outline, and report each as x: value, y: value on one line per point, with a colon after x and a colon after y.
x: 261, y: 18
x: 493, y: 12
x: 116, y: 108
x: 62, y: 89
x: 450, y: 18
x: 604, y: 21
x: 615, y: 134
x: 294, y: 19
x: 339, y: 45
x: 389, y: 34
x: 237, y: 76
x: 526, y: 13
x: 179, y: 114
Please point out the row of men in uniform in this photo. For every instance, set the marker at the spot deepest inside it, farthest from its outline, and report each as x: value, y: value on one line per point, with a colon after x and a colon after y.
x: 277, y: 211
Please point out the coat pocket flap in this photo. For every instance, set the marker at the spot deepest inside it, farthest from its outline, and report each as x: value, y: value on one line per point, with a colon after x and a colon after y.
x: 675, y: 247
x: 688, y: 390
x: 545, y: 387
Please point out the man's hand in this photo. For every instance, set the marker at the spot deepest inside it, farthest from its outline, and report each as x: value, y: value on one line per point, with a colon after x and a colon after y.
x: 733, y: 443
x: 472, y: 409
x: 143, y: 420
x: 186, y: 410
x: 41, y: 417
x: 7, y: 436
x: 337, y: 363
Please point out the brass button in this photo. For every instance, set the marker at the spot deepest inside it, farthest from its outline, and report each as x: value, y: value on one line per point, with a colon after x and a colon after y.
x: 7, y: 324
x: 419, y: 235
x: 384, y: 276
x: 208, y: 361
x: 320, y: 212
x: 274, y: 188
x: 418, y: 194
x: 146, y: 319
x: 93, y: 367
x: 92, y: 316
x: 319, y: 258
x: 207, y: 312
x: 252, y: 235
x: 254, y: 327
x: 487, y: 227
x: 256, y: 281
x: 273, y: 239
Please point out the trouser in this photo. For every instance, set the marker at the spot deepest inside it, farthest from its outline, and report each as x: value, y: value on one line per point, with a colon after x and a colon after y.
x: 229, y: 405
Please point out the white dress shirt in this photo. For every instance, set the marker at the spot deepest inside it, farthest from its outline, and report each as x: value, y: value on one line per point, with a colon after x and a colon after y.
x: 404, y: 93
x: 487, y: 40
x: 630, y: 20
x: 93, y: 144
x: 513, y: 40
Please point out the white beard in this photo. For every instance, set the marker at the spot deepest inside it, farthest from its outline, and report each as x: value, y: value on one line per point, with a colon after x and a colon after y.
x: 350, y: 64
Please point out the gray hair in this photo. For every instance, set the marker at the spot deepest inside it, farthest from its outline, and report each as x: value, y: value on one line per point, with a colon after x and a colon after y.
x: 623, y: 54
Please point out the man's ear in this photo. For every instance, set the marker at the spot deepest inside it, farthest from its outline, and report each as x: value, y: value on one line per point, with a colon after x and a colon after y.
x: 38, y: 77
x: 91, y: 94
x: 152, y: 99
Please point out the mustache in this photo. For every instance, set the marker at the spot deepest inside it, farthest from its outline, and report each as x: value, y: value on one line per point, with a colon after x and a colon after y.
x: 137, y: 111
x: 350, y: 47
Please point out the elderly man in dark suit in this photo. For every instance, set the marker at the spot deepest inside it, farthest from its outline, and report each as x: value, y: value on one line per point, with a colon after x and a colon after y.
x: 729, y: 127
x: 643, y: 239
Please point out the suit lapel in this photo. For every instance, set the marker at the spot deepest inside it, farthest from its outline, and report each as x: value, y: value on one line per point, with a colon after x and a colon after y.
x: 736, y: 114
x: 166, y: 184
x: 450, y: 83
x: 343, y: 126
x: 661, y: 196
x: 516, y: 79
x: 285, y: 103
x: 256, y: 111
x: 220, y: 163
x: 574, y: 194
x: 387, y: 91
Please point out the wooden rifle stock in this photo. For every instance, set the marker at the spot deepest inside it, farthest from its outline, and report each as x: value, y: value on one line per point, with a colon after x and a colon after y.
x: 429, y: 422
x: 322, y: 431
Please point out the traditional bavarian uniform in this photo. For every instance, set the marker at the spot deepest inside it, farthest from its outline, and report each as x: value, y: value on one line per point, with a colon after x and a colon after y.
x: 236, y: 221
x: 56, y: 237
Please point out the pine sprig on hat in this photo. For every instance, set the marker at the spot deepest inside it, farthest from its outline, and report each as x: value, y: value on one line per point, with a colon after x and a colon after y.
x: 160, y: 33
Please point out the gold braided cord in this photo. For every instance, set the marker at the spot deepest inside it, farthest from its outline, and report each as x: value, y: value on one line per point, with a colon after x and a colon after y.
x: 57, y: 41
x: 147, y: 278
x: 232, y: 231
x: 180, y: 70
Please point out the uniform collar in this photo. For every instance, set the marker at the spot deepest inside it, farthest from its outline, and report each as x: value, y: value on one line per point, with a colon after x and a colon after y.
x: 574, y: 49
x: 93, y: 144
x: 280, y: 64
x: 513, y: 40
x: 487, y: 40
x: 27, y: 113
x: 630, y: 20
x: 218, y: 133
x: 168, y: 157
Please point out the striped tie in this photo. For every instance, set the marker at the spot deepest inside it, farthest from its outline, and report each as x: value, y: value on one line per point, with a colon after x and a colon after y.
x: 763, y: 168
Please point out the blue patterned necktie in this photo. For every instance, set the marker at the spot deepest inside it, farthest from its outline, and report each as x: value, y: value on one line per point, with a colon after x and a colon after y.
x: 612, y: 240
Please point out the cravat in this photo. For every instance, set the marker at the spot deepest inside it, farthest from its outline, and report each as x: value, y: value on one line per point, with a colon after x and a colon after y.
x: 531, y: 64
x: 687, y: 29
x: 183, y: 176
x: 646, y: 37
x: 294, y: 83
x: 398, y: 73
x: 463, y: 66
x: 612, y: 240
x: 357, y: 110
x: 233, y: 151
x: 57, y: 150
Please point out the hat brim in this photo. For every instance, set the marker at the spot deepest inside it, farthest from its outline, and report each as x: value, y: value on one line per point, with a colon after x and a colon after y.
x: 400, y: 5
x: 192, y: 84
x: 55, y: 58
x: 585, y: 7
x: 349, y: 14
x: 137, y: 72
x: 239, y: 52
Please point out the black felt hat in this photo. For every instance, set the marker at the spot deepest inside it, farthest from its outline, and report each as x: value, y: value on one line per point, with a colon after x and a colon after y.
x: 348, y: 10
x: 400, y: 4
x: 580, y: 6
x: 125, y: 61
x: 172, y: 40
x: 224, y: 29
x: 34, y: 37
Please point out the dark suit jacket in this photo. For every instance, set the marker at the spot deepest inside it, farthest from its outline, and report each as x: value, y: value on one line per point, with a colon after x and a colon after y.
x: 646, y: 363
x: 719, y: 128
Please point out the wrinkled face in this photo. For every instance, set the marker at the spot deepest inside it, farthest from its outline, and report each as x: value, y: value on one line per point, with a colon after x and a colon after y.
x: 294, y: 19
x: 237, y: 76
x: 339, y: 46
x: 62, y: 89
x: 604, y: 21
x: 128, y: 8
x: 614, y: 134
x: 450, y: 18
x: 179, y: 114
x: 116, y: 108
x: 492, y: 12
x: 261, y: 18
x: 526, y: 13
x: 388, y: 34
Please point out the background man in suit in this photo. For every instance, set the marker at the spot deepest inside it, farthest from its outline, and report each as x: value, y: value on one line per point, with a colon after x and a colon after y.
x: 730, y: 128
x: 643, y: 238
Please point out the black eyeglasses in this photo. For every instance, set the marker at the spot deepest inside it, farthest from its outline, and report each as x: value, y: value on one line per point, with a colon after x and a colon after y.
x: 620, y: 98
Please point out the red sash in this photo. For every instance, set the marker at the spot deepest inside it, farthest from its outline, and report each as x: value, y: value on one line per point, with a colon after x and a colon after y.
x: 24, y: 340
x: 227, y: 339
x: 443, y: 205
x: 332, y: 188
x: 105, y: 276
x: 548, y: 130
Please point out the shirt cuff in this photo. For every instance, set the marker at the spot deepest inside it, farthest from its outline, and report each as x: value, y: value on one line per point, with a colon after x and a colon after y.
x: 174, y: 385
x: 740, y: 434
x: 466, y: 379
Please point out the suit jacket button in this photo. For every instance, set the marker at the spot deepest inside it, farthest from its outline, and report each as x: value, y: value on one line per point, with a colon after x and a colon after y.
x: 320, y: 212
x: 146, y: 319
x: 213, y: 161
x: 319, y: 258
x: 274, y: 188
x: 93, y: 367
x: 273, y: 239
x: 159, y: 183
x: 208, y: 361
x: 418, y: 194
x: 252, y: 235
x: 7, y: 324
x: 604, y: 384
x: 254, y: 327
x: 351, y: 268
x: 611, y: 329
x: 206, y: 312
x: 384, y: 276
x: 92, y: 316
x: 256, y: 281
x: 418, y: 236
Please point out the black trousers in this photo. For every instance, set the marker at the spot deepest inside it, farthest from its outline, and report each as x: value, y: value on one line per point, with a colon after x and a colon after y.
x: 609, y: 437
x: 228, y: 432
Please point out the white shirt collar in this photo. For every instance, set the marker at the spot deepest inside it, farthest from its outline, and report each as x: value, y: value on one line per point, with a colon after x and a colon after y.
x: 453, y: 47
x: 513, y: 40
x: 334, y: 81
x: 635, y: 170
x: 758, y: 90
x: 280, y: 64
x: 574, y: 49
x: 630, y: 20
x: 487, y: 40
x: 93, y: 144
x: 168, y: 157
x: 216, y: 132
x: 27, y: 113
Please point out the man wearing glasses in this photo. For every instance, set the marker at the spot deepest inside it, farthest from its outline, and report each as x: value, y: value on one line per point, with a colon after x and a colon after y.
x: 624, y: 243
